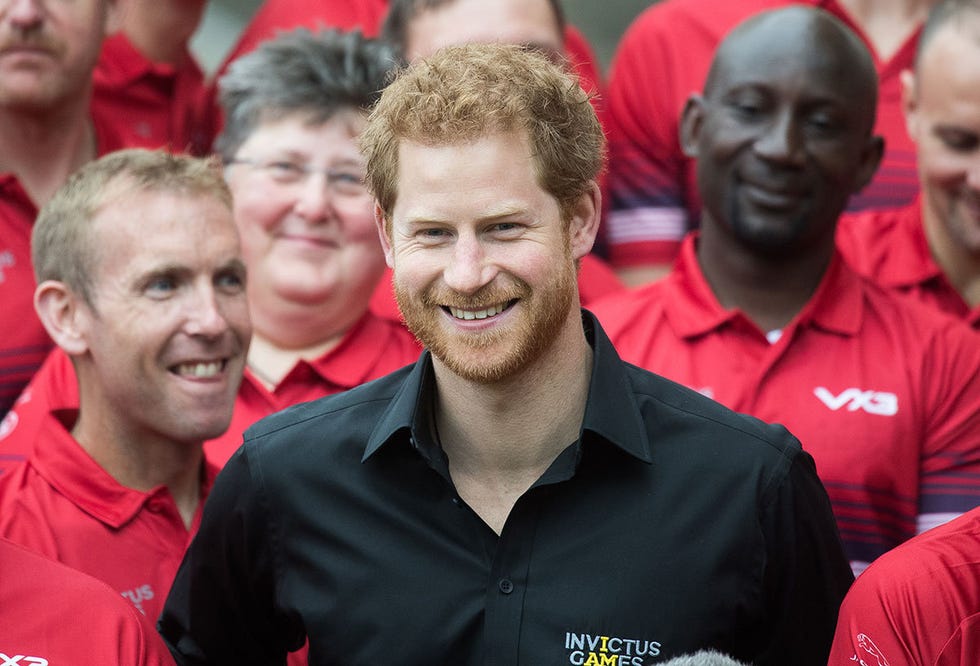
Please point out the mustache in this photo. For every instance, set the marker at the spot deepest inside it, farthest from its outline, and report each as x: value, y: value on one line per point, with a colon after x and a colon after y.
x: 30, y: 39
x: 486, y: 296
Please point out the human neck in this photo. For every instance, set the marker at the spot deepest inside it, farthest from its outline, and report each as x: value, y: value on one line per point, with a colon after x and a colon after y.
x: 887, y: 23
x: 142, y: 461
x: 500, y: 438
x: 769, y: 291
x: 43, y: 149
x: 161, y: 30
x: 270, y: 363
x: 961, y: 268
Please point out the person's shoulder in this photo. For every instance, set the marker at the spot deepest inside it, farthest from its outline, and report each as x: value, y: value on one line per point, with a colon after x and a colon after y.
x: 354, y: 407
x: 629, y: 307
x: 935, y: 565
x: 698, y: 419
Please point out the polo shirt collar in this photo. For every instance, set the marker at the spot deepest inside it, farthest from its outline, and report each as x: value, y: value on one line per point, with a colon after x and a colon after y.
x: 909, y: 261
x: 611, y: 414
x: 64, y: 464
x: 121, y: 64
x: 351, y: 362
x: 692, y: 308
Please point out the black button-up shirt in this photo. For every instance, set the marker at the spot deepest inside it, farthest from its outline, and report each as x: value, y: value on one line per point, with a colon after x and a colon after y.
x: 672, y: 524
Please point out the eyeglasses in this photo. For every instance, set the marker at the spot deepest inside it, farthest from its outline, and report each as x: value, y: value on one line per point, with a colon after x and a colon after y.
x: 348, y: 182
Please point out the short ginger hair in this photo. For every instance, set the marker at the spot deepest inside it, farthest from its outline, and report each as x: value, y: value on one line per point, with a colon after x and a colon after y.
x: 464, y: 93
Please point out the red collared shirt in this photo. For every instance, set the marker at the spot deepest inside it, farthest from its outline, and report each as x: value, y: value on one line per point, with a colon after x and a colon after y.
x: 52, y: 614
x: 919, y: 604
x: 890, y: 247
x: 62, y: 504
x: 883, y: 392
x: 662, y: 59
x: 372, y: 348
x: 23, y: 341
x: 150, y: 105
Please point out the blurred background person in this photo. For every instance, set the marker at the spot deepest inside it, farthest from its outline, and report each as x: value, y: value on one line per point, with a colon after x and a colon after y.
x: 47, y: 53
x: 930, y: 249
x: 294, y: 107
x: 663, y: 57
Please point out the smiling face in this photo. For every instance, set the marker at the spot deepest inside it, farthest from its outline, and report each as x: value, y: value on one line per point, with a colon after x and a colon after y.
x: 484, y: 266
x: 782, y: 134
x: 305, y: 218
x: 527, y: 22
x: 168, y: 328
x: 48, y: 49
x: 942, y: 103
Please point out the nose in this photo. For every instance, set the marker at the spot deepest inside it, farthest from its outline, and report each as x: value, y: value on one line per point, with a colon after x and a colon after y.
x: 314, y: 201
x: 469, y: 267
x: 780, y: 140
x: 24, y: 13
x: 205, y: 315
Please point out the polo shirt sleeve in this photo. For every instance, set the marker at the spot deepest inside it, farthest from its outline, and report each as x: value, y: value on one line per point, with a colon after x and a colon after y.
x: 222, y: 607
x: 807, y: 573
x: 949, y: 479
x: 647, y: 170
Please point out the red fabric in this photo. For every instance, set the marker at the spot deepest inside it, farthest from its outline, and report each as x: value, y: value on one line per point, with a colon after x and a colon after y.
x: 595, y: 280
x: 150, y: 105
x: 889, y: 247
x: 50, y: 612
x: 663, y: 58
x: 919, y: 604
x: 372, y: 348
x: 62, y: 504
x: 883, y: 392
x: 23, y: 340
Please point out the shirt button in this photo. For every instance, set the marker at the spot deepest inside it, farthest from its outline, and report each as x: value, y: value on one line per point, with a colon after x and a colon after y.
x: 457, y: 501
x: 505, y: 585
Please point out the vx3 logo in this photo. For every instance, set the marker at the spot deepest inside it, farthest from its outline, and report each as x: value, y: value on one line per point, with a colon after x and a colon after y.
x: 873, y: 402
x: 21, y: 660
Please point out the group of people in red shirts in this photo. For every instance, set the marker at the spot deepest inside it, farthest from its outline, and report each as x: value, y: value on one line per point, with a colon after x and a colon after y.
x: 860, y: 336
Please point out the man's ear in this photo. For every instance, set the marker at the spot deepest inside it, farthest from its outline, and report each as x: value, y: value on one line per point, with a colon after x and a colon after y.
x: 874, y: 149
x: 692, y: 117
x: 62, y: 313
x: 910, y: 103
x: 380, y: 221
x: 583, y: 225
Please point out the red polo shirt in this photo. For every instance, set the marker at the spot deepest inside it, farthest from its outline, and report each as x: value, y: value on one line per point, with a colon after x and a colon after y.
x: 62, y: 504
x: 889, y: 247
x: 52, y: 614
x: 372, y: 348
x: 883, y: 392
x: 919, y: 604
x: 663, y: 58
x: 151, y: 105
x: 23, y: 341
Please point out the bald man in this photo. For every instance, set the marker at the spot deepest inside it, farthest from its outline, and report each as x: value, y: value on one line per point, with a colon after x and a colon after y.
x: 931, y: 248
x: 761, y: 313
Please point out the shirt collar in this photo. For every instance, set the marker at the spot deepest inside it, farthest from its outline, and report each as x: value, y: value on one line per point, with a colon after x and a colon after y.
x: 909, y: 261
x: 693, y: 309
x: 352, y: 361
x: 64, y: 464
x: 611, y: 413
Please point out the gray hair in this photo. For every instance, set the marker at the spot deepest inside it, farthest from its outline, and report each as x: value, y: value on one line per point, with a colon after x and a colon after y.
x: 315, y: 75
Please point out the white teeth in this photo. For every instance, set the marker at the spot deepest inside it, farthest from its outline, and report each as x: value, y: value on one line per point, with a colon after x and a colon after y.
x: 199, y: 369
x: 477, y: 314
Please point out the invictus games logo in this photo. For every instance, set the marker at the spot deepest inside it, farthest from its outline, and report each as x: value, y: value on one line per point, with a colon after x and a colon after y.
x: 589, y: 650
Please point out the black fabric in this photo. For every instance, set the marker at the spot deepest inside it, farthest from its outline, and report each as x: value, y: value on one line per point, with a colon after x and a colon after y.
x: 671, y: 525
